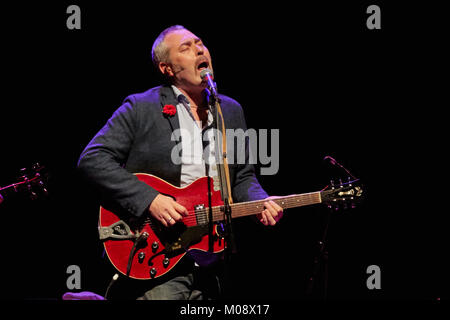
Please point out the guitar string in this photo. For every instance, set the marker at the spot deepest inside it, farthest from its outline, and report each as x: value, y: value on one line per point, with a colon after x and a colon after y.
x: 242, y: 209
x: 239, y: 208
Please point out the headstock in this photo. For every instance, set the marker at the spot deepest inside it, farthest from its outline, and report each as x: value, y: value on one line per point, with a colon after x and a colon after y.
x: 344, y: 195
x: 30, y: 181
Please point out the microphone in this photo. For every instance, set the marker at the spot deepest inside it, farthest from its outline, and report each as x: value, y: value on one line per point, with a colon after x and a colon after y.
x: 207, y: 74
x: 332, y: 160
x: 335, y: 163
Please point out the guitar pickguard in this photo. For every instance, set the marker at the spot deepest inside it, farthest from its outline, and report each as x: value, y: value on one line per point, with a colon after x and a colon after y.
x: 179, y: 237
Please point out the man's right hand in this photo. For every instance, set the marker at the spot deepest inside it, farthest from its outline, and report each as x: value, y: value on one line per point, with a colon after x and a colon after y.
x: 167, y: 210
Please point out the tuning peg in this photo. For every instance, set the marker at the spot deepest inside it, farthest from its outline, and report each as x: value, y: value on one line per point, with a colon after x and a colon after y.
x: 23, y: 174
x: 332, y: 184
x: 33, y: 195
x: 37, y: 167
x: 42, y: 186
x: 345, y: 205
x: 333, y: 207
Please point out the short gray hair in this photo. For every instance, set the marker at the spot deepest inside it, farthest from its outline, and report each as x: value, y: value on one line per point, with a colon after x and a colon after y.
x: 160, y: 52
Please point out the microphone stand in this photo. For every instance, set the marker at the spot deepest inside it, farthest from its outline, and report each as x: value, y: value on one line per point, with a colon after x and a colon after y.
x: 320, y: 262
x: 220, y: 162
x: 321, y: 259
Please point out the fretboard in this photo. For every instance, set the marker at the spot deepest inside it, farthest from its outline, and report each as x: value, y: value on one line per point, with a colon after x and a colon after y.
x: 254, y: 207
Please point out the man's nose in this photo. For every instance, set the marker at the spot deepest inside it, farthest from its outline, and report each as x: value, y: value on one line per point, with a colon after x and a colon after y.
x: 200, y: 49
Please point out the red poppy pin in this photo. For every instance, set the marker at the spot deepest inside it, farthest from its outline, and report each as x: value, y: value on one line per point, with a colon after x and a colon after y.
x: 169, y: 110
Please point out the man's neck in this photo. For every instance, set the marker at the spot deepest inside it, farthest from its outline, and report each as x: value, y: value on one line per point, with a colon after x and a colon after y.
x: 196, y: 97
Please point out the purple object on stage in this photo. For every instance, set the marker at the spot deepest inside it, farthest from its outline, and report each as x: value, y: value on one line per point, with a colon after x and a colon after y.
x: 84, y: 295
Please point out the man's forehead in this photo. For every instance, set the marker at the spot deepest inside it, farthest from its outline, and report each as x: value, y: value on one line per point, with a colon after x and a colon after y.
x: 177, y: 37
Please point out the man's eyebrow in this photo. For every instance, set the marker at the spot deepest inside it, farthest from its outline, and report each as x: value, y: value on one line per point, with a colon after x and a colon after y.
x: 189, y: 41
x: 185, y: 43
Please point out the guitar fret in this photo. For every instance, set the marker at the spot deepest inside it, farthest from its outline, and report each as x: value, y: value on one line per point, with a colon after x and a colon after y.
x: 254, y: 207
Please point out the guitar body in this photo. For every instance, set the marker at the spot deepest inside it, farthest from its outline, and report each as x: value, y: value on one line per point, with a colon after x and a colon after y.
x: 142, y: 248
x: 163, y: 246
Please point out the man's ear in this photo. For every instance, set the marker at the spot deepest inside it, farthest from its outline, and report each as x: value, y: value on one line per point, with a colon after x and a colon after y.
x: 166, y: 69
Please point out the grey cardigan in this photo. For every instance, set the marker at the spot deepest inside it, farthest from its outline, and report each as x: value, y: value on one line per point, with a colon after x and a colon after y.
x: 137, y: 138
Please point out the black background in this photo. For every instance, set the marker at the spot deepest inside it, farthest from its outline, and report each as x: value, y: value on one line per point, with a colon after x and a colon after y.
x: 372, y: 99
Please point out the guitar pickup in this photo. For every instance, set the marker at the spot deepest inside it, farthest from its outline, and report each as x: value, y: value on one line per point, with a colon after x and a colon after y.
x: 118, y: 230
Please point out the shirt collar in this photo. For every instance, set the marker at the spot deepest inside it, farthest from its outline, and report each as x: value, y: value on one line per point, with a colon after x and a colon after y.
x: 181, y: 98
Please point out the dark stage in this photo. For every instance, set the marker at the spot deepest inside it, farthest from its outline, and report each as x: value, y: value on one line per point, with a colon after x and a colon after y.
x: 371, y: 99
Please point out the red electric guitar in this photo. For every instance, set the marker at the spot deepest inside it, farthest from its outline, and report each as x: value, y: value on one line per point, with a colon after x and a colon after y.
x: 142, y: 248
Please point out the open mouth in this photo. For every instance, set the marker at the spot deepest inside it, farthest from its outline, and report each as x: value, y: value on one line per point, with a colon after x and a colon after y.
x: 203, y: 64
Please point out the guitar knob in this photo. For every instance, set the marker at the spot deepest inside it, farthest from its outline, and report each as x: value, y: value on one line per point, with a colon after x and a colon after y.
x: 155, y: 246
x: 152, y: 272
x: 141, y: 256
x: 166, y: 262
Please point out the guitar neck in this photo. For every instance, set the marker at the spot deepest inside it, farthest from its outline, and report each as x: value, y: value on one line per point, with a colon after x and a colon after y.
x: 243, y: 209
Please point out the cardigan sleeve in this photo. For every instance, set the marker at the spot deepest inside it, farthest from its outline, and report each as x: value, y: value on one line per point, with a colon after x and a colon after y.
x: 102, y: 164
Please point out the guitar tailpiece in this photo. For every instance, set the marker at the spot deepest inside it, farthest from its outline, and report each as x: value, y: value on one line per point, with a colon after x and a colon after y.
x: 118, y: 230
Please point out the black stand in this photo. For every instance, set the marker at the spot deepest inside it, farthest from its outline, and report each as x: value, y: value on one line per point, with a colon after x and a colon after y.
x: 321, y: 259
x: 227, y: 229
x: 320, y: 266
x: 220, y: 162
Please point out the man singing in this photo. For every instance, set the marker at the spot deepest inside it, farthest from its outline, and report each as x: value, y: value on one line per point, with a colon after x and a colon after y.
x: 139, y: 138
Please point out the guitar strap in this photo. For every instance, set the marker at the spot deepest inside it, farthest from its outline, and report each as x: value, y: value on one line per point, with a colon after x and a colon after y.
x: 225, y: 171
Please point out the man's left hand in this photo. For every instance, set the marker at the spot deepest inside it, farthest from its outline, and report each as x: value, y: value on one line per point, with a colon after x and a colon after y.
x: 272, y: 212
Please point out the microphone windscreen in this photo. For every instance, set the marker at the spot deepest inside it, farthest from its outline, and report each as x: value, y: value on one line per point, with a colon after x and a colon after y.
x: 204, y: 72
x: 332, y: 161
